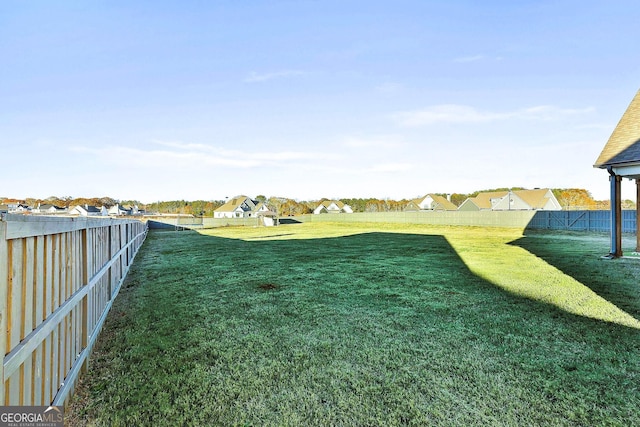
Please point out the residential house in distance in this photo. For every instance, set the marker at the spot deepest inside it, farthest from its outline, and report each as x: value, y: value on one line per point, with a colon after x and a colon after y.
x: 430, y: 202
x: 119, y: 210
x: 17, y: 206
x: 332, y: 206
x: 242, y: 207
x: 483, y: 201
x: 48, y: 209
x: 538, y: 199
x: 88, y: 210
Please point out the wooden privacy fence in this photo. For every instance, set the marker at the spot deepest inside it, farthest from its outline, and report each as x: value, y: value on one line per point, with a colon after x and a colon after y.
x: 58, y: 279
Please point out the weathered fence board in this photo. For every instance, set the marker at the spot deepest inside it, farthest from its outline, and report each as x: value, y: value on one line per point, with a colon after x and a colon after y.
x: 58, y: 279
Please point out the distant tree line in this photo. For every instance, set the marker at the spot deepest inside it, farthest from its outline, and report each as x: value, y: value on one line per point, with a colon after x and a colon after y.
x: 183, y: 207
x: 69, y: 202
x: 376, y: 205
x: 581, y: 199
x: 569, y: 198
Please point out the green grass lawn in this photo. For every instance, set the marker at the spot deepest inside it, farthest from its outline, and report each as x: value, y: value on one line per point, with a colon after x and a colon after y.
x: 369, y: 324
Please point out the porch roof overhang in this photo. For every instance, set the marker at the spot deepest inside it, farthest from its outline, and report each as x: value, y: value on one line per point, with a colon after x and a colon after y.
x: 621, y: 153
x: 621, y: 158
x: 631, y: 170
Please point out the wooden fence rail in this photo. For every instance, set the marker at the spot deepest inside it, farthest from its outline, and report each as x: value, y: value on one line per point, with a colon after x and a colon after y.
x: 58, y: 279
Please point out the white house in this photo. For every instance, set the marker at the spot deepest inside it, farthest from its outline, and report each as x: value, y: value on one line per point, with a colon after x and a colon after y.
x: 49, y: 209
x: 87, y: 210
x: 119, y: 210
x: 332, y: 206
x: 541, y: 199
x: 431, y: 202
x: 13, y: 206
x: 242, y: 207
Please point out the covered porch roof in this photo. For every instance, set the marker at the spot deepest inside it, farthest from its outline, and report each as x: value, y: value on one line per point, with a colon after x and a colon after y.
x: 621, y: 154
x: 621, y: 158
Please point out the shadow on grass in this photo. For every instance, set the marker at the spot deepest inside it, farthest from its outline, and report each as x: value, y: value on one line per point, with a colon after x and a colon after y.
x: 288, y: 221
x: 381, y: 264
x: 414, y: 263
x: 613, y: 280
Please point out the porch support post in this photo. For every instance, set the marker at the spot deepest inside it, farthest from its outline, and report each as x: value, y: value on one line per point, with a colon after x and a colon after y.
x: 637, y: 215
x: 616, y: 214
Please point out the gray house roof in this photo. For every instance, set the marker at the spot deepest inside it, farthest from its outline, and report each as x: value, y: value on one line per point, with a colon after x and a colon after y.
x: 623, y: 147
x: 48, y: 206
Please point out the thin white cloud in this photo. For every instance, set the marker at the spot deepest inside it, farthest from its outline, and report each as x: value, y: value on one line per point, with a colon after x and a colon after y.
x: 476, y: 58
x: 255, y: 77
x: 389, y: 88
x: 239, y: 155
x: 464, y: 114
x: 596, y: 126
x: 471, y: 58
x: 447, y: 113
x: 346, y: 169
x: 391, y: 167
x: 178, y: 155
x: 380, y: 141
x: 550, y: 112
x: 163, y: 159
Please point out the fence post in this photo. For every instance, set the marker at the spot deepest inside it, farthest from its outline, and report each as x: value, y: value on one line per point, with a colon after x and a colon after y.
x: 637, y: 215
x: 4, y: 273
x: 86, y: 307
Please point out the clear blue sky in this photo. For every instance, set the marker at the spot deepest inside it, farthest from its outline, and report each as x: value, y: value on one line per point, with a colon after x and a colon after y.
x: 159, y: 100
